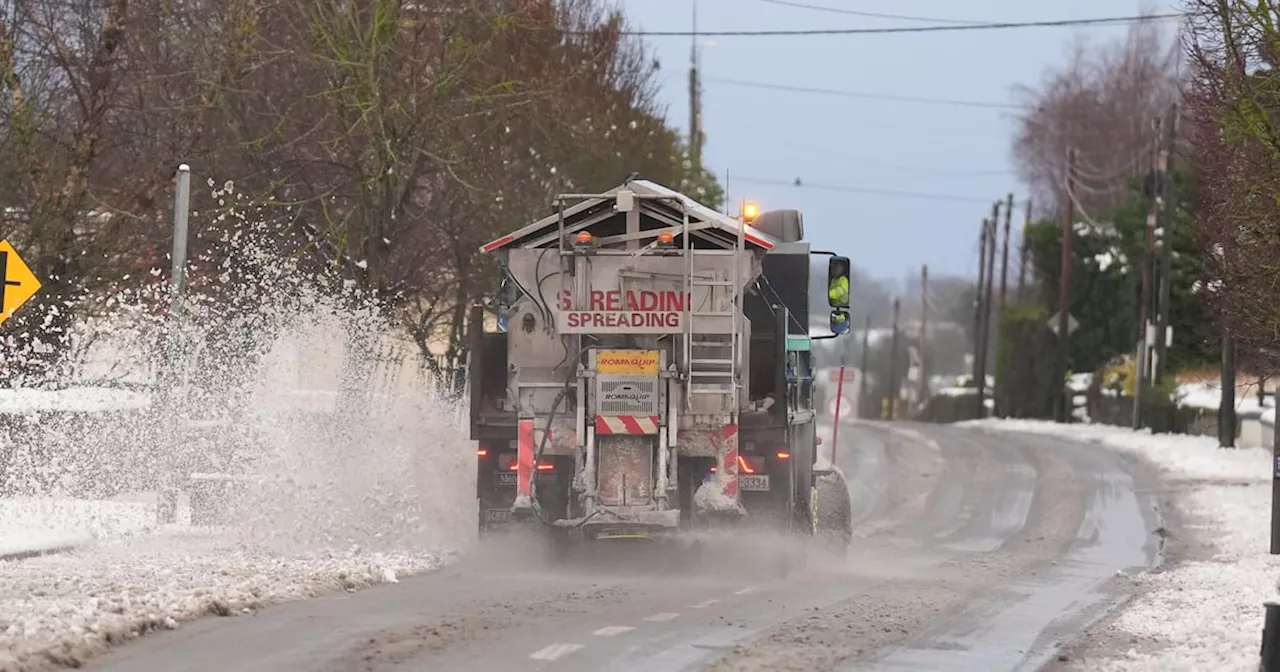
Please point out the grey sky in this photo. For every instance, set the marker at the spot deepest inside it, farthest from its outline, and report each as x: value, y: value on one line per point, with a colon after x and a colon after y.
x: 874, y: 144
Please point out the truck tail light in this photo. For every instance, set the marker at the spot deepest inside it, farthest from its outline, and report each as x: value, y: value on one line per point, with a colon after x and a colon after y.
x: 509, y: 462
x: 748, y: 464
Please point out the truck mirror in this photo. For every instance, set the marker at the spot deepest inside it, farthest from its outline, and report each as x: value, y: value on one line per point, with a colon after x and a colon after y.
x: 838, y: 282
x: 839, y: 322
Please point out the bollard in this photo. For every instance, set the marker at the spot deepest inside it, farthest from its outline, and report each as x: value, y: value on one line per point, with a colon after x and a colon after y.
x: 1270, y: 652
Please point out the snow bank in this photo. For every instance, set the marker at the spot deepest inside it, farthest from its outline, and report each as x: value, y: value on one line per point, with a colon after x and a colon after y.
x: 1195, y: 458
x: 62, y: 609
x: 1208, y: 396
x: 72, y: 400
x: 1204, y: 615
x: 31, y: 524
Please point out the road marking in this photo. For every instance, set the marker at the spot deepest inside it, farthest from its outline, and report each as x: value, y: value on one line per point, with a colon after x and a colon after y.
x: 744, y: 591
x: 704, y: 605
x: 554, y: 651
x: 613, y: 630
x: 665, y: 616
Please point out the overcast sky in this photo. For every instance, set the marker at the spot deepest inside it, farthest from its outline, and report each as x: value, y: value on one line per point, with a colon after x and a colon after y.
x: 956, y: 158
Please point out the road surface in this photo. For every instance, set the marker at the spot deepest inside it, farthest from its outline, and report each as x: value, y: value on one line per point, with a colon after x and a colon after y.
x: 971, y: 551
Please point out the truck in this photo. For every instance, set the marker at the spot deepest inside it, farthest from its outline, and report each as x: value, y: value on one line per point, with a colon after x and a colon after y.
x: 645, y: 370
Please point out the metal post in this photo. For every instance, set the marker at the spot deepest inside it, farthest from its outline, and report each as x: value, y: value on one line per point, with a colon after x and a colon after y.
x: 181, y: 208
x: 862, y: 369
x: 166, y: 509
x: 1275, y: 487
x: 922, y: 384
x: 835, y: 427
x: 893, y: 365
x: 1227, y: 400
x: 1270, y: 634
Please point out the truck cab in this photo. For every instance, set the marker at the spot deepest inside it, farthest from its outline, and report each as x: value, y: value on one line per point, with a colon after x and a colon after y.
x: 646, y: 369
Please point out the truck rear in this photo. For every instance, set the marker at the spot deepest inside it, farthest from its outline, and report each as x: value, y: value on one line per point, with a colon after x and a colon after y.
x: 640, y: 373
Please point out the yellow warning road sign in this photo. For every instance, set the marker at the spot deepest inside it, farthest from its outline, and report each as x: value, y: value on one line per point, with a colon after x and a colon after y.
x: 17, y: 283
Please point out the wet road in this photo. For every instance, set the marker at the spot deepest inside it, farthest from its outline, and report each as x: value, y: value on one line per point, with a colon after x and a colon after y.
x: 971, y: 551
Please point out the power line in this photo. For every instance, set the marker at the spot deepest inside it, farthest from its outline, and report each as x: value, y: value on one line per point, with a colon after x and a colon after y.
x: 801, y: 184
x: 873, y: 15
x: 1114, y: 20
x: 862, y: 94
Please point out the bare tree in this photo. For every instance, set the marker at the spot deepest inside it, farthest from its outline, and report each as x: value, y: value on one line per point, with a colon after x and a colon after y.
x: 1102, y: 104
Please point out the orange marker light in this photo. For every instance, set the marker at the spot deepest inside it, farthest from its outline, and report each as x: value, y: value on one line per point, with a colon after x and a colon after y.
x: 783, y: 455
x: 583, y: 238
x: 482, y: 452
x: 750, y: 211
x: 666, y: 238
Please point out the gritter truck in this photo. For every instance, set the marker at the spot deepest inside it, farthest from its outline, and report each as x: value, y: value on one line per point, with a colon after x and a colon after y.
x: 645, y: 369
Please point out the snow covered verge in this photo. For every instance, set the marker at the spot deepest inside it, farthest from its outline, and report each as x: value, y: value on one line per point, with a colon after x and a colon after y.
x: 1200, y: 614
x: 35, y: 525
x: 60, y: 609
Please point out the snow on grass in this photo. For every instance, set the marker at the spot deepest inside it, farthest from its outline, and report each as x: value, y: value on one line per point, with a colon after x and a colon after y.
x: 1204, y: 614
x: 62, y: 609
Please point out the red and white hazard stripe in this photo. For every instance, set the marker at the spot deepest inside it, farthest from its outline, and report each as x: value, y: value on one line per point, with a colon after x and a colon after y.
x: 626, y: 424
x: 728, y: 440
x: 524, y: 458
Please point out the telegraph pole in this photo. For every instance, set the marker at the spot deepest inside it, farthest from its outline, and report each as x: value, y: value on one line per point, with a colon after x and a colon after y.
x: 893, y: 365
x: 1004, y: 285
x: 1148, y: 261
x: 922, y: 385
x: 1064, y: 292
x: 1004, y: 263
x: 977, y: 317
x: 695, y: 100
x: 992, y: 237
x: 1022, y: 255
x: 1168, y: 221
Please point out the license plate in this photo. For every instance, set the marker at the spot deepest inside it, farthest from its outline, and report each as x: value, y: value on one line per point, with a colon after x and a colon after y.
x: 506, y: 478
x: 754, y: 482
x: 498, y: 515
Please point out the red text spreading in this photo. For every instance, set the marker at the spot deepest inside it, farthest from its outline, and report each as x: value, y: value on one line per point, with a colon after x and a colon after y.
x: 637, y: 312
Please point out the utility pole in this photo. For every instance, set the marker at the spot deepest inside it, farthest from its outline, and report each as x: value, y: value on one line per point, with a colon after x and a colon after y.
x: 695, y: 100
x: 893, y: 365
x: 1064, y: 293
x: 862, y: 368
x: 1144, y: 306
x: 922, y: 385
x: 978, y: 329
x: 992, y: 237
x: 1022, y: 255
x: 1004, y: 285
x: 1004, y: 262
x: 1168, y: 221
